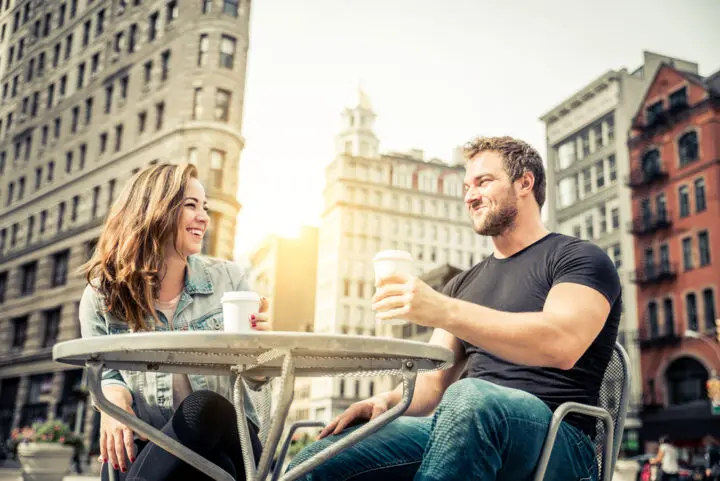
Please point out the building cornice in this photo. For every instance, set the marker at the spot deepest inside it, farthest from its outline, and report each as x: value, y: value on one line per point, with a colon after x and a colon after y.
x: 578, y: 98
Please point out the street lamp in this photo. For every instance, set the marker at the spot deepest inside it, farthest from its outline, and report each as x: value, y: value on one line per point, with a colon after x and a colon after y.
x: 713, y: 383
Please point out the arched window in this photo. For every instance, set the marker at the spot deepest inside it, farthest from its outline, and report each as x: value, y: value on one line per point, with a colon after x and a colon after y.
x: 688, y: 148
x: 651, y: 163
x: 686, y: 378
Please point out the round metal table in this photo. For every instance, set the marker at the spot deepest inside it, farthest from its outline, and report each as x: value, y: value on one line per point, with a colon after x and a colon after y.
x: 274, y: 354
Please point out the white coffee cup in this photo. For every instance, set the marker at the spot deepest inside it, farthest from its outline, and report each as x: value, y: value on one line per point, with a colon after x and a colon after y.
x: 237, y: 308
x: 391, y: 262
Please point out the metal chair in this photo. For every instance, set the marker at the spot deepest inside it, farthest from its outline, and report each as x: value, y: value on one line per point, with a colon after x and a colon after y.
x: 610, y: 415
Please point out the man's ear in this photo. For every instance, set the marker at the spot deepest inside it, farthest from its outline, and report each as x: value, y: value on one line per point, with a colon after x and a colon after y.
x: 527, y: 182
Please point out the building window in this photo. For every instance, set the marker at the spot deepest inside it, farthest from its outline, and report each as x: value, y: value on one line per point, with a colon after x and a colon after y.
x: 678, y: 99
x: 664, y: 257
x: 87, y: 26
x: 589, y: 227
x: 3, y: 282
x: 60, y: 268
x: 31, y: 229
x: 684, y: 199
x: 74, y: 209
x: 217, y: 167
x: 700, y: 204
x: 688, y: 148
x: 612, y: 168
x: 38, y: 177
x: 192, y: 156
x: 132, y: 38
x: 124, y: 82
x: 83, y: 155
x: 603, y: 219
x: 43, y: 221
x: 75, y: 119
x: 103, y: 142
x: 704, y: 248
x: 68, y: 162
x: 108, y: 98
x: 652, y: 318
x: 197, y: 103
x: 118, y: 137
x: 615, y: 216
x: 28, y: 273
x: 222, y: 105
x: 68, y: 46
x: 171, y: 10
x: 165, y: 63
x: 61, y: 216
x: 20, y: 325
x: 230, y: 7
x: 661, y: 207
x: 159, y: 115
x: 142, y: 121
x: 710, y: 312
x: 95, y: 201
x: 617, y: 256
x: 207, y: 6
x: 227, y: 51
x: 153, y: 26
x: 52, y: 326
x: 587, y: 181
x: 203, y: 47
x: 111, y: 192
x: 687, y: 253
x: 669, y: 312
x: 88, y: 110
x: 100, y: 23
x: 692, y: 314
x: 599, y: 174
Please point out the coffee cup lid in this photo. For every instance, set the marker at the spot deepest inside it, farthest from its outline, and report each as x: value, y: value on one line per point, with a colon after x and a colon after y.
x: 240, y: 296
x: 393, y: 255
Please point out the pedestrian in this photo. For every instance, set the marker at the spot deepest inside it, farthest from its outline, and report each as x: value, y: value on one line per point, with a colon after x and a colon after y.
x: 667, y: 459
x: 712, y: 459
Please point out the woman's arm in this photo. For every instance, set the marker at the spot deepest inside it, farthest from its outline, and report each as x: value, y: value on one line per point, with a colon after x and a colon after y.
x: 659, y: 457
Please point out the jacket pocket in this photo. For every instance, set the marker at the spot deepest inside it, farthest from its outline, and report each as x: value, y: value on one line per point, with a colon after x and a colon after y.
x: 210, y: 321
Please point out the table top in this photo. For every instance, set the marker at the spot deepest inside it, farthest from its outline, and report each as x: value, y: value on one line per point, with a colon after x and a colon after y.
x: 217, y: 352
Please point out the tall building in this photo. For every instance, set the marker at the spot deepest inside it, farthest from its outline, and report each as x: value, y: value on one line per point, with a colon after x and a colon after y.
x: 675, y: 175
x: 587, y: 161
x: 374, y: 202
x: 93, y: 91
x: 285, y: 270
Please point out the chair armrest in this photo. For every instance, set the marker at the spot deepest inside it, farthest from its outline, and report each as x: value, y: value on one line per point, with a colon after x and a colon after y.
x: 557, y: 418
x: 288, y: 439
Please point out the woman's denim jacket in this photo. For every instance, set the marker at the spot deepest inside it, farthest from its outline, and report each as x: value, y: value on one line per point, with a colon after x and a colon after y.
x: 199, y: 309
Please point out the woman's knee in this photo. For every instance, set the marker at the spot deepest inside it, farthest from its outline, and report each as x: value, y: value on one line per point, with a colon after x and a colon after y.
x: 203, y: 411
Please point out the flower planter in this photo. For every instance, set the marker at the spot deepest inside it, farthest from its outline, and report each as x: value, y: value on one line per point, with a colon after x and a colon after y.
x: 44, y: 461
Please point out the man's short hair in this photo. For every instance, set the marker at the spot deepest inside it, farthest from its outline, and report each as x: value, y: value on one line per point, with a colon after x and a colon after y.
x: 518, y: 157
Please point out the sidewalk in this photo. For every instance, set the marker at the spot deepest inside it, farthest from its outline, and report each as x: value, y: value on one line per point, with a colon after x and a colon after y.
x: 10, y: 474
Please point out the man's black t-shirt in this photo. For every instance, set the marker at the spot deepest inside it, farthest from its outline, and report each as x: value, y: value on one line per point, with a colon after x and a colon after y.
x: 521, y: 283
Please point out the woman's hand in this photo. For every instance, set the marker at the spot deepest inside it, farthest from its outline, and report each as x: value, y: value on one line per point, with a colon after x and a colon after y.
x: 260, y: 321
x: 116, y: 439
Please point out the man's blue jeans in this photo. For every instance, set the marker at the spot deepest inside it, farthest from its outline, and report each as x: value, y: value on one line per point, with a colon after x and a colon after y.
x: 480, y: 431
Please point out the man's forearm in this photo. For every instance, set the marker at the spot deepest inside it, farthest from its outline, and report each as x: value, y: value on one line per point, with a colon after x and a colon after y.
x: 529, y: 338
x: 426, y: 396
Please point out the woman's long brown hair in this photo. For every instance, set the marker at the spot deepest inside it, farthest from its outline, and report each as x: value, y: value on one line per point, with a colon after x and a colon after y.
x: 127, y: 265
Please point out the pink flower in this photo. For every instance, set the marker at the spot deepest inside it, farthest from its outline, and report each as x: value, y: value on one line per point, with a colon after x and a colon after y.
x: 62, y: 439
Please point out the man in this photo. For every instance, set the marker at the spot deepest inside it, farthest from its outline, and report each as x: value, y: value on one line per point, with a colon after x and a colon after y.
x: 535, y: 325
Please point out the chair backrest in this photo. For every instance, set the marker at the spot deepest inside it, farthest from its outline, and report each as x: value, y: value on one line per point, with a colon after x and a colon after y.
x: 614, y: 397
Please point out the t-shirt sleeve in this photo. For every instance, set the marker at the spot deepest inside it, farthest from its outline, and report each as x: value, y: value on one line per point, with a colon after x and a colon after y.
x: 586, y: 264
x: 450, y: 288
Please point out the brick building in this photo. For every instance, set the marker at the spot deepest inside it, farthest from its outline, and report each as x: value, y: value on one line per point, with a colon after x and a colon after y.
x: 675, y: 178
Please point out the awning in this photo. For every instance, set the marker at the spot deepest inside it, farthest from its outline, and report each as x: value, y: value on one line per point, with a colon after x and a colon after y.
x: 685, y: 422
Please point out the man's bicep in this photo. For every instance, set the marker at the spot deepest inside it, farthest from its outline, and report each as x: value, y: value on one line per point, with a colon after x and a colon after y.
x: 581, y: 310
x: 443, y: 338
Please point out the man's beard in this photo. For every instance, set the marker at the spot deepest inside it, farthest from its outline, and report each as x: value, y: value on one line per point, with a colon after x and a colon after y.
x: 499, y: 220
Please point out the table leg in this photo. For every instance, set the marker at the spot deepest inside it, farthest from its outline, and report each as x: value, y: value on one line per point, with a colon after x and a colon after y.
x: 94, y: 371
x: 409, y: 374
x: 287, y: 383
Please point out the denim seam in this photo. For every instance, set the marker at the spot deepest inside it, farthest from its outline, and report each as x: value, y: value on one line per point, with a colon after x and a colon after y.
x: 382, y: 466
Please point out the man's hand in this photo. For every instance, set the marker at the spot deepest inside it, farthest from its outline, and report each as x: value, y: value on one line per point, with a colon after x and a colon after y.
x: 405, y: 297
x: 360, y: 411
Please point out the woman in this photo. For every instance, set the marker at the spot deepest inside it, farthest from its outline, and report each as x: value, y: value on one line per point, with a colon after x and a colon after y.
x: 145, y: 275
x: 667, y: 457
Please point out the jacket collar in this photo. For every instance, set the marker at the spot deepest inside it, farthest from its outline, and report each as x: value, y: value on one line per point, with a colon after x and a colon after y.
x: 197, y: 277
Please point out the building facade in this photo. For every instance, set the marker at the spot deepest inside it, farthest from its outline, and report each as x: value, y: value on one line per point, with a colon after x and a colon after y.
x: 675, y: 179
x: 374, y: 202
x: 91, y: 92
x: 587, y: 161
x: 284, y: 269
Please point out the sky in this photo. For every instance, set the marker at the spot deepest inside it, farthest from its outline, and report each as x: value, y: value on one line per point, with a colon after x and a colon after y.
x: 437, y: 73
